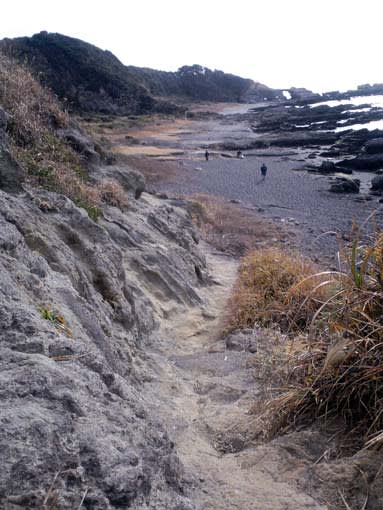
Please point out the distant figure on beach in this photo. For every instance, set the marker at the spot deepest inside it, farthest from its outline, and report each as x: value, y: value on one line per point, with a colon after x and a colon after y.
x: 263, y: 171
x: 240, y: 155
x: 207, y: 155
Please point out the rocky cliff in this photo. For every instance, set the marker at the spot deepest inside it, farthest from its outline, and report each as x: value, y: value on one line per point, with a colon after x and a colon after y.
x: 92, y: 80
x: 79, y: 301
x: 76, y: 312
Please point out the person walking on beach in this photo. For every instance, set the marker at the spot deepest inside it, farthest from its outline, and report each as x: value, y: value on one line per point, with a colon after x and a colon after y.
x: 207, y: 155
x: 263, y: 171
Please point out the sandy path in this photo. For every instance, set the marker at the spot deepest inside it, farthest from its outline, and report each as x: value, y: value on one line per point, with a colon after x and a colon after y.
x: 203, y: 392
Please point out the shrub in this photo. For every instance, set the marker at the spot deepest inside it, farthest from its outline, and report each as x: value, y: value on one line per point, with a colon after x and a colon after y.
x: 112, y: 193
x: 56, y: 319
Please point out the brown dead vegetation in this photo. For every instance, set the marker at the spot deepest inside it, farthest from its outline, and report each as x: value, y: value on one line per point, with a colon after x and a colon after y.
x: 112, y: 193
x: 333, y: 369
x: 49, y: 162
x: 231, y: 228
x: 267, y: 291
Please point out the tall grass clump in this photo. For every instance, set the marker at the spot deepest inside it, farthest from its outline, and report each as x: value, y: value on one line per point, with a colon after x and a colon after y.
x: 267, y: 291
x: 34, y: 116
x: 34, y: 110
x: 338, y: 370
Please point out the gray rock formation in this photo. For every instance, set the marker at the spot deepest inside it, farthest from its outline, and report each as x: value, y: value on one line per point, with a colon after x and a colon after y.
x: 81, y: 143
x: 242, y: 340
x: 78, y: 301
x: 345, y: 185
x: 377, y: 183
x: 133, y: 182
x: 11, y: 175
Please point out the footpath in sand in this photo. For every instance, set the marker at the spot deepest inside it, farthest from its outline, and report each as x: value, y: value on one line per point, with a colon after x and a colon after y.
x: 203, y: 391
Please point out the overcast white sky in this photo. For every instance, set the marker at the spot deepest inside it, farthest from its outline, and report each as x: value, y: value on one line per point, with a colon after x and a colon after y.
x: 318, y: 44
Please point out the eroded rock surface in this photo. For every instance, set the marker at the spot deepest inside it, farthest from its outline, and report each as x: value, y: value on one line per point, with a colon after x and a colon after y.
x: 77, y: 304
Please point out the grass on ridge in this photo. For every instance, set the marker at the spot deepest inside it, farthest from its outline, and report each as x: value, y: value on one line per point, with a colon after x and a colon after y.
x: 49, y: 161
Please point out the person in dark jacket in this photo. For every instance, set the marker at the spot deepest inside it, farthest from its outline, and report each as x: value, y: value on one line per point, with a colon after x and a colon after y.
x: 263, y: 171
x: 207, y: 155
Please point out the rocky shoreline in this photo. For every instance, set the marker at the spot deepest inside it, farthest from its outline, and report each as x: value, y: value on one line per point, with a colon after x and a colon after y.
x: 319, y: 181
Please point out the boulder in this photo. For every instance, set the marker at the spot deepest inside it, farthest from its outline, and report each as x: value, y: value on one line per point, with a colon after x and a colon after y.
x: 131, y: 180
x: 344, y: 170
x: 81, y: 143
x: 327, y: 167
x: 242, y: 340
x: 345, y: 185
x: 377, y: 183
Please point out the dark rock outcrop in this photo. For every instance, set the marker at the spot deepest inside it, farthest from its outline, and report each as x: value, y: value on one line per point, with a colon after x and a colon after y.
x: 345, y: 185
x: 363, y: 163
x: 374, y: 146
x: 377, y: 183
x: 327, y: 167
x: 304, y: 95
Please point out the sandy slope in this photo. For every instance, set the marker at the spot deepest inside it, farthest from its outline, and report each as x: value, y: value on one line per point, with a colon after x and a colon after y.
x: 203, y: 392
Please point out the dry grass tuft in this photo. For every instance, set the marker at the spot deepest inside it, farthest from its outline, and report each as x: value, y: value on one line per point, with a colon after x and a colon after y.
x: 337, y: 372
x: 274, y: 287
x: 112, y: 193
x: 33, y: 109
x: 34, y: 116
